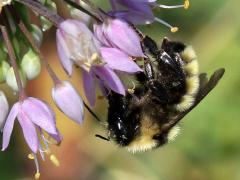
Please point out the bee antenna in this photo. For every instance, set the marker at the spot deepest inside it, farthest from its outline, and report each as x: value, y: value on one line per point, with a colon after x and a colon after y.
x: 102, y: 137
x: 91, y: 112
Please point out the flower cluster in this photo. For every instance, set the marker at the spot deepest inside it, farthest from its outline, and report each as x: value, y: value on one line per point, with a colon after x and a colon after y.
x: 102, y: 48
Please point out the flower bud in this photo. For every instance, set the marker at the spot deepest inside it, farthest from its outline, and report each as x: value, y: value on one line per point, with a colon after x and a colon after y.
x: 3, y: 52
x: 31, y: 64
x: 46, y: 24
x: 16, y: 45
x: 4, y: 66
x: 68, y: 101
x: 37, y: 34
x: 11, y: 80
x: 4, y: 107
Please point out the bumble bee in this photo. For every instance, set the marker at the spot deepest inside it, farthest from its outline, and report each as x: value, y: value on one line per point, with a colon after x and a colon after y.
x: 169, y: 87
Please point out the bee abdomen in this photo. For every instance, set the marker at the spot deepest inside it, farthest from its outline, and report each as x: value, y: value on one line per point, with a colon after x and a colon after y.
x: 191, y: 70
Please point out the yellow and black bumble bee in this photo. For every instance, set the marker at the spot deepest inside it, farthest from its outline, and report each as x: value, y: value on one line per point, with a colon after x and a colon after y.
x: 169, y: 87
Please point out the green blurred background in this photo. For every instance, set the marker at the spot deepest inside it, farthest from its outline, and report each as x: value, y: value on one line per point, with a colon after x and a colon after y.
x: 208, y: 147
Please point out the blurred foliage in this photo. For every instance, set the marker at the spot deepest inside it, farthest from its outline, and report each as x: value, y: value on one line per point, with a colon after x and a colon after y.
x: 208, y: 146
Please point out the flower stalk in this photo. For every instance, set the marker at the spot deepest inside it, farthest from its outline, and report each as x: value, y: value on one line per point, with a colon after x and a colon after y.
x: 13, y: 62
x: 42, y: 10
x: 29, y: 37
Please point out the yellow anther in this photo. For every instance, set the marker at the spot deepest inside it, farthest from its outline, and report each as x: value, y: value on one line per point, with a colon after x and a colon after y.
x: 174, y: 29
x: 131, y: 91
x: 94, y: 57
x: 30, y: 156
x: 54, y: 160
x: 186, y: 4
x: 37, y: 175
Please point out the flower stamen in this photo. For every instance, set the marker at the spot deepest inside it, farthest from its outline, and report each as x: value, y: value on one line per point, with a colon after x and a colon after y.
x: 37, y: 174
x: 131, y: 90
x: 31, y: 156
x: 173, y: 29
x: 54, y: 160
x: 185, y: 5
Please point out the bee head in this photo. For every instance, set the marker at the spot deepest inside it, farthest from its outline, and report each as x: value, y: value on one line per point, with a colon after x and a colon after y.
x: 123, y: 133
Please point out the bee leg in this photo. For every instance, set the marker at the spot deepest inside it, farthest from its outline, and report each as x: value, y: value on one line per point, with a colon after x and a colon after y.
x: 149, y: 46
x: 148, y: 69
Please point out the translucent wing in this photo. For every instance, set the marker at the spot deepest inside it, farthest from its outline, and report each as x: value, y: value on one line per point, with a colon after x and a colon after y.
x: 206, y: 86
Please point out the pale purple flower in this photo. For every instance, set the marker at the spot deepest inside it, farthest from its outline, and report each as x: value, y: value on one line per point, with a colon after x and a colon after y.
x: 4, y: 107
x: 140, y: 11
x: 118, y: 34
x: 77, y: 45
x: 68, y: 101
x: 34, y: 116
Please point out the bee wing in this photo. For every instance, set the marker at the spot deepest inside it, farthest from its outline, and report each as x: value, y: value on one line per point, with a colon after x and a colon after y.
x: 206, y: 86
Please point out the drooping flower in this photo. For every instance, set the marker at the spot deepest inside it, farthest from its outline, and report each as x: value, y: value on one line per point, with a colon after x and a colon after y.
x: 4, y: 107
x: 33, y: 115
x: 77, y: 45
x: 68, y: 101
x: 140, y: 11
x: 36, y: 119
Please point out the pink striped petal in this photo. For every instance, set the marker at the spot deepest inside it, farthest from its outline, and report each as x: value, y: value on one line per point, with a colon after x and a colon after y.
x: 64, y: 53
x: 123, y: 36
x: 36, y: 111
x: 29, y: 131
x: 110, y: 78
x: 118, y: 60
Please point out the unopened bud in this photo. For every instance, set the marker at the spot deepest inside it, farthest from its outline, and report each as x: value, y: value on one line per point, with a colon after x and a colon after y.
x: 16, y: 45
x: 3, y: 53
x: 31, y: 64
x: 68, y: 101
x: 4, y: 107
x: 4, y: 66
x: 37, y: 34
x: 11, y: 80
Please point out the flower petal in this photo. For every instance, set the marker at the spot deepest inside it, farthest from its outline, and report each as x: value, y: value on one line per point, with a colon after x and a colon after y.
x: 7, y: 130
x: 64, y: 53
x: 110, y: 79
x: 37, y: 113
x: 68, y: 101
x: 123, y: 36
x: 29, y: 131
x: 4, y: 107
x: 118, y: 60
x: 89, y: 87
x: 98, y: 32
x: 58, y: 137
